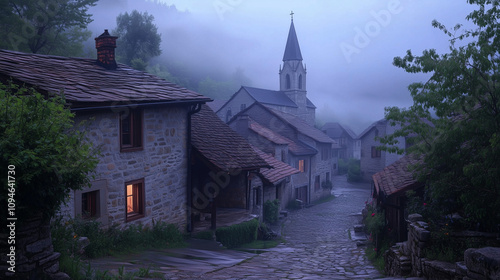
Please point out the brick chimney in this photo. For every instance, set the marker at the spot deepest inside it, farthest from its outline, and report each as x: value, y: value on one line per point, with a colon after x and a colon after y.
x: 105, y: 45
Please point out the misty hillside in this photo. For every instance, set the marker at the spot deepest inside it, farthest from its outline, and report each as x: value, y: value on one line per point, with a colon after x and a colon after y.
x: 188, y: 57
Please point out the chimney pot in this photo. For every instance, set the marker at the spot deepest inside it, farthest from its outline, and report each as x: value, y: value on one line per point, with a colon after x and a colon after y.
x: 105, y: 45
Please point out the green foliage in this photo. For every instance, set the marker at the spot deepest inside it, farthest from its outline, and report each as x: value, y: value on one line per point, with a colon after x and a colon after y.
x: 354, y: 171
x: 374, y: 221
x: 105, y: 242
x: 51, y: 157
x: 236, y: 235
x: 328, y: 185
x: 271, y: 211
x: 343, y: 166
x: 45, y: 26
x: 138, y: 39
x: 460, y: 145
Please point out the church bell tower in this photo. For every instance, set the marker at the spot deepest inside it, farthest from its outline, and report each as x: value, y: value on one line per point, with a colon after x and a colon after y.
x: 293, y: 73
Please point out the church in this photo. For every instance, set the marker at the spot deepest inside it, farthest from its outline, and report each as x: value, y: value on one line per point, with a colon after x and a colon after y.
x: 291, y: 98
x: 281, y: 124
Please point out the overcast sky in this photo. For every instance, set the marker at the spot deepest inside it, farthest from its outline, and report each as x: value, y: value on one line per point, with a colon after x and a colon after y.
x: 348, y: 46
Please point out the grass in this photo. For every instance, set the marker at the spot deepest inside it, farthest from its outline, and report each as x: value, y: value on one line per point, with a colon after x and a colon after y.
x: 104, y: 242
x: 376, y: 258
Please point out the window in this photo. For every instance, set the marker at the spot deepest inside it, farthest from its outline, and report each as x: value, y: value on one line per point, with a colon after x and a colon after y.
x: 134, y: 199
x: 376, y: 153
x: 328, y: 176
x: 302, y: 165
x: 300, y: 81
x: 243, y: 107
x: 288, y: 84
x: 131, y: 130
x: 90, y: 204
x: 316, y: 183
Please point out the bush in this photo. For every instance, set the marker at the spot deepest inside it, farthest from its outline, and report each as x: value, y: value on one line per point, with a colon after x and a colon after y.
x: 237, y: 235
x: 271, y: 211
x: 107, y: 241
x: 354, y: 171
x: 327, y: 185
x: 343, y: 166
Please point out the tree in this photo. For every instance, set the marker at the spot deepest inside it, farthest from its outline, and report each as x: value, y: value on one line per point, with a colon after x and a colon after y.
x: 48, y: 157
x: 45, y: 26
x: 454, y: 122
x: 138, y: 39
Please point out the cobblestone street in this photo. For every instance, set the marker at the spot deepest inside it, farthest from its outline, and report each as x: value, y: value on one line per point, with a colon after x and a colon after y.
x: 317, y: 244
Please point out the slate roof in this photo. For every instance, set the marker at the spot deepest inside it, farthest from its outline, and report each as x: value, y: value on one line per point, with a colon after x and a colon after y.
x: 396, y: 177
x: 303, y: 127
x: 295, y: 147
x: 292, y: 49
x: 274, y: 97
x: 216, y: 104
x: 382, y: 121
x: 279, y: 169
x: 335, y: 130
x: 221, y: 145
x: 87, y: 84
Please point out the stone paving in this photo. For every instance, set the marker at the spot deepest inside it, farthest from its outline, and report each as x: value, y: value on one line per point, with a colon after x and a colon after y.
x: 317, y: 246
x: 317, y: 243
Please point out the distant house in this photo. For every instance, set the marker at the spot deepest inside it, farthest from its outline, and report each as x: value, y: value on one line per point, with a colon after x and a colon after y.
x: 373, y: 159
x: 350, y: 146
x: 141, y: 123
x: 293, y: 141
x: 292, y: 96
x: 224, y: 169
x: 389, y: 190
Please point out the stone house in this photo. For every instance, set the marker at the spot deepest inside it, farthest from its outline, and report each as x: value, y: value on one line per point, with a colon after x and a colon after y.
x: 389, y: 191
x: 224, y: 170
x: 372, y: 159
x: 350, y: 146
x: 140, y: 122
x: 292, y: 96
x: 291, y: 140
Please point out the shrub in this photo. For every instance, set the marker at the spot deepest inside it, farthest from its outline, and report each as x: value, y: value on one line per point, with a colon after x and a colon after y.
x: 354, y: 171
x: 328, y: 185
x: 343, y: 166
x: 237, y: 235
x: 271, y: 211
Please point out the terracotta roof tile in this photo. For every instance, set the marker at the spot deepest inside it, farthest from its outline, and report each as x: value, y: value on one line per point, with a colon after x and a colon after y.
x: 396, y: 177
x: 279, y: 171
x: 221, y: 145
x: 85, y: 82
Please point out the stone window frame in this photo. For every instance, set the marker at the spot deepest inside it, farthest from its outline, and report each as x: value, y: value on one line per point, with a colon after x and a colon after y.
x: 101, y: 201
x: 139, y: 195
x: 135, y: 119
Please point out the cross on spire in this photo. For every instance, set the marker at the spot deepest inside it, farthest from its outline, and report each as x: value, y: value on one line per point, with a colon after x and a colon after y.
x: 291, y: 14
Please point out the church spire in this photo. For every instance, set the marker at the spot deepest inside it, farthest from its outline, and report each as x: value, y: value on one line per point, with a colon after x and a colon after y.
x: 292, y: 49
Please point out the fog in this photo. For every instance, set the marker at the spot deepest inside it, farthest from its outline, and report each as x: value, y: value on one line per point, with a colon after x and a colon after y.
x: 348, y: 46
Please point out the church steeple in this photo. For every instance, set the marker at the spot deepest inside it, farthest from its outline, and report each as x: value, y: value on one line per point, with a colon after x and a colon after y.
x: 293, y: 73
x: 292, y: 49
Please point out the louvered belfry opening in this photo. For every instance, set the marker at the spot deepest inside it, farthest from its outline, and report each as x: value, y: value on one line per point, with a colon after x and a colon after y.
x: 105, y: 45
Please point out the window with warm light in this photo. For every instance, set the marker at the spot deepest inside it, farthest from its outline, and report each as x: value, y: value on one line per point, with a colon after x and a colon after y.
x: 134, y: 199
x: 302, y: 165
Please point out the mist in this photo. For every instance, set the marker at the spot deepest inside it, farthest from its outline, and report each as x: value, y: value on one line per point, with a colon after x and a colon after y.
x: 347, y: 46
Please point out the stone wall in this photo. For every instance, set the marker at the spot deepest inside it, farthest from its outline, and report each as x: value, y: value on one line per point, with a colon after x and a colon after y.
x: 34, y: 254
x: 407, y: 258
x: 162, y: 163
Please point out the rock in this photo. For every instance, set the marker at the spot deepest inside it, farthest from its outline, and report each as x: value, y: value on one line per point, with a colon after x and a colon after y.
x: 484, y: 261
x: 415, y: 218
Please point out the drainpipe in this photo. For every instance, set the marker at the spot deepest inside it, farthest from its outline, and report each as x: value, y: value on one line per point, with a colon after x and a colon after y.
x: 192, y: 110
x: 309, y: 188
